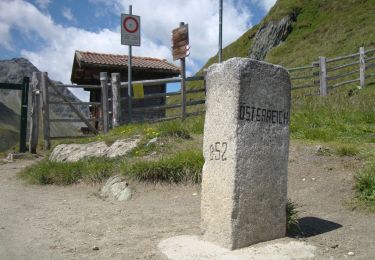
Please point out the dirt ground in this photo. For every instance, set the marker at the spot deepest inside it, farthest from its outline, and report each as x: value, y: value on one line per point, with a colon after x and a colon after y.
x: 51, y: 222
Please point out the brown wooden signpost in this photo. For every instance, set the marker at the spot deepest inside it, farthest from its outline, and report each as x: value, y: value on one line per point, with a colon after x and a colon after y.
x: 180, y: 50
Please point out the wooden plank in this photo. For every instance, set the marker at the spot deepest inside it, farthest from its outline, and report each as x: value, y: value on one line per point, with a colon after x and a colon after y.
x: 45, y: 111
x: 105, y: 105
x: 342, y: 75
x: 116, y: 99
x: 196, y: 102
x: 71, y: 137
x: 303, y: 77
x: 142, y: 109
x: 362, y: 67
x: 303, y: 86
x: 369, y: 59
x: 342, y: 66
x: 77, y: 86
x: 196, y: 113
x: 10, y: 86
x: 75, y: 103
x: 371, y: 65
x: 75, y: 110
x: 35, y: 101
x: 350, y: 56
x: 300, y: 68
x: 344, y: 83
x: 71, y: 120
x: 323, y: 76
x: 196, y: 90
x: 369, y: 51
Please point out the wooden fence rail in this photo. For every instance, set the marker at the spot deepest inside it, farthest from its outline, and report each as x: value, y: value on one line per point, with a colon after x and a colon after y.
x: 330, y: 73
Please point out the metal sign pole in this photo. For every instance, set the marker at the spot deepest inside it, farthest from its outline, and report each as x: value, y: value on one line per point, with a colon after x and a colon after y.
x: 130, y: 76
x: 220, y: 31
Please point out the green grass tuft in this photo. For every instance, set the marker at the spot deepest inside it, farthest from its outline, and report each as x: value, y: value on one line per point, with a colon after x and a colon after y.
x: 347, y: 150
x: 365, y: 184
x: 292, y: 225
x: 182, y: 167
x: 60, y: 173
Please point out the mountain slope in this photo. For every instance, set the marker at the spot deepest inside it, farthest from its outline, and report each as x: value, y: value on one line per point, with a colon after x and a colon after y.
x: 321, y: 28
x: 13, y: 71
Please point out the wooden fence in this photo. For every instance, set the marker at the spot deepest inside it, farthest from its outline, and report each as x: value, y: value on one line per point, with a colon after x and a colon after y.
x: 330, y: 73
x: 321, y: 77
x: 110, y: 106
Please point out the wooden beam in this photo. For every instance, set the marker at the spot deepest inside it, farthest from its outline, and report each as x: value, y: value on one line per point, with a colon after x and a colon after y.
x: 35, y: 101
x: 78, y: 113
x: 45, y: 110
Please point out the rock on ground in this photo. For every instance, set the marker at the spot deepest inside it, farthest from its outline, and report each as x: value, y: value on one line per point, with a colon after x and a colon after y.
x: 76, y: 152
x: 116, y: 188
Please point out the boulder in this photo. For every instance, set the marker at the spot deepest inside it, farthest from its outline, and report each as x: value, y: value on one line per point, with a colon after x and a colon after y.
x: 76, y: 152
x: 116, y: 188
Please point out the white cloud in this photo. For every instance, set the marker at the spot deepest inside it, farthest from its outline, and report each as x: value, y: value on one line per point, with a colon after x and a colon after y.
x: 43, y: 4
x: 265, y: 4
x: 67, y: 13
x: 158, y: 19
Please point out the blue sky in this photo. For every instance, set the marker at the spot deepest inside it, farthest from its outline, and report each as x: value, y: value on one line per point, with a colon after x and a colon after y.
x: 47, y: 32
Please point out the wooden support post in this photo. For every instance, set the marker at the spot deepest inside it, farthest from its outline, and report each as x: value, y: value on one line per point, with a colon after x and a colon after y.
x: 45, y: 110
x: 183, y: 89
x: 24, y: 110
x: 116, y: 104
x: 362, y: 67
x: 183, y: 84
x: 105, y: 106
x: 35, y: 100
x: 323, y: 76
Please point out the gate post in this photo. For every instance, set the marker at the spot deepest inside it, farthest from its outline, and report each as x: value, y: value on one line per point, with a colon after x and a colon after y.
x: 116, y: 104
x: 323, y: 76
x: 362, y: 67
x: 105, y: 106
x: 35, y: 100
x: 24, y: 103
x: 45, y: 110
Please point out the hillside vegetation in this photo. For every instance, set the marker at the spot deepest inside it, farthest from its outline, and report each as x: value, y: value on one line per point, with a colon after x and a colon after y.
x: 322, y: 28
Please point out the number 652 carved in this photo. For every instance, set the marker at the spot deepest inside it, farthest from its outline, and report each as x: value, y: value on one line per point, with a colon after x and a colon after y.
x: 217, y: 151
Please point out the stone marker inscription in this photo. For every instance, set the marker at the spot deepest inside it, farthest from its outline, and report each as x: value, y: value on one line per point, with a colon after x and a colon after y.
x: 246, y: 146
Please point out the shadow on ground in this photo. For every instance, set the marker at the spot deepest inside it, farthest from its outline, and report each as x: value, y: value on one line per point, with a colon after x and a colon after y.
x: 312, y: 226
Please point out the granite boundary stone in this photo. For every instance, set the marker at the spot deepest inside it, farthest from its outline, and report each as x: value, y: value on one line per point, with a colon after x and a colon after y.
x: 246, y: 147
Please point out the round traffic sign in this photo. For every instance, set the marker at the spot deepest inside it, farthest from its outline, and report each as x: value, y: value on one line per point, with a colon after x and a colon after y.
x: 130, y: 25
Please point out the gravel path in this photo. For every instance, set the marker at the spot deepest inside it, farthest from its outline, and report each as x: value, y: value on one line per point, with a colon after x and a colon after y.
x: 51, y: 222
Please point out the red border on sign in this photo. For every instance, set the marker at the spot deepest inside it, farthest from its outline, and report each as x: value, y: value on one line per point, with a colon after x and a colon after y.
x: 136, y: 25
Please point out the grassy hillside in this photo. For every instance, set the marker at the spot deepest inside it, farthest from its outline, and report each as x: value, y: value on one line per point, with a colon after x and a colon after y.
x: 323, y: 28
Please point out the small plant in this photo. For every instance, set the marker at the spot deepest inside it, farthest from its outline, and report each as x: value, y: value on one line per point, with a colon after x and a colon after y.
x: 292, y: 225
x: 365, y: 184
x: 181, y: 167
x: 65, y: 173
x: 174, y: 128
x: 347, y: 150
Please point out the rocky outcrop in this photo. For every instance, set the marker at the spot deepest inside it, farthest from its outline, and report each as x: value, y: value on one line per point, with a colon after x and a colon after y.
x: 76, y: 152
x: 270, y: 35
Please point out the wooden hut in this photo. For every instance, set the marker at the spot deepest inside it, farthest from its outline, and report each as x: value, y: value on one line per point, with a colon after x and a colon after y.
x: 88, y: 65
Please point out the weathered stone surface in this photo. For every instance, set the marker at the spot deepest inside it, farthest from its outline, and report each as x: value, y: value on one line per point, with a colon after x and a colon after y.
x: 269, y: 36
x: 246, y: 142
x: 116, y: 188
x: 76, y: 152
